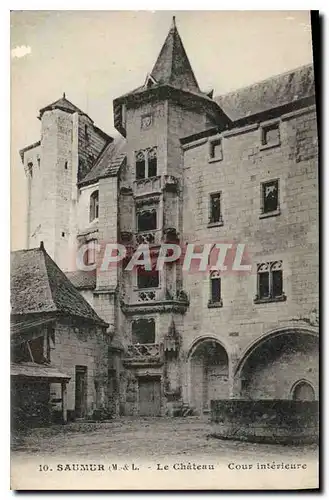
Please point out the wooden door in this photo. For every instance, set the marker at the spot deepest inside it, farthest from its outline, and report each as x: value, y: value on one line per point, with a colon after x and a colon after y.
x: 80, y: 391
x: 149, y: 396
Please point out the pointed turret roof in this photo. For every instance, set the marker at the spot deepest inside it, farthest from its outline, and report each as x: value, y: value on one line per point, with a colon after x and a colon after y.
x: 173, y: 66
x: 64, y: 104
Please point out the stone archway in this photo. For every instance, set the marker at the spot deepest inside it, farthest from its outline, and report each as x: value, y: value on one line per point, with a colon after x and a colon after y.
x: 208, y: 373
x: 272, y: 365
x: 303, y: 391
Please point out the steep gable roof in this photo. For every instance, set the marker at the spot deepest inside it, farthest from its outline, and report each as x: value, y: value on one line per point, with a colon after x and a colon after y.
x: 172, y: 66
x: 108, y: 163
x: 268, y: 94
x: 39, y: 286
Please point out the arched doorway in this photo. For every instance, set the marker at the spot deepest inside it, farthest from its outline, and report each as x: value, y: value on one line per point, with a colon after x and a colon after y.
x: 269, y: 367
x: 303, y: 391
x: 208, y: 374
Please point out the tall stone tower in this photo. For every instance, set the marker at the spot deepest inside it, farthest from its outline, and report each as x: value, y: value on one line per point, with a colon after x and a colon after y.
x: 168, y: 106
x: 68, y: 147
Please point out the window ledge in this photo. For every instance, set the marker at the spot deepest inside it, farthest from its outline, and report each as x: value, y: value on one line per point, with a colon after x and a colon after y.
x: 266, y: 300
x: 269, y: 146
x: 215, y: 160
x: 214, y: 305
x: 215, y: 224
x: 265, y: 215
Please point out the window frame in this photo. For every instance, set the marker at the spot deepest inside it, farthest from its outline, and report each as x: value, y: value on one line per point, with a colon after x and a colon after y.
x: 269, y: 268
x: 147, y: 288
x: 220, y: 222
x: 213, y: 142
x: 145, y: 156
x: 135, y: 322
x: 94, y: 206
x: 264, y: 128
x: 272, y: 213
x: 215, y: 275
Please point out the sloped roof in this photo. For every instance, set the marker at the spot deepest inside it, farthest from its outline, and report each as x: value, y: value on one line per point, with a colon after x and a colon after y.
x: 82, y: 280
x: 63, y: 104
x: 268, y: 94
x: 173, y: 66
x: 108, y: 163
x: 39, y: 286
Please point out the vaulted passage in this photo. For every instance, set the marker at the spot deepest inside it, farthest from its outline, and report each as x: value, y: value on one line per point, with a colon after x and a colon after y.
x: 283, y: 366
x: 208, y: 374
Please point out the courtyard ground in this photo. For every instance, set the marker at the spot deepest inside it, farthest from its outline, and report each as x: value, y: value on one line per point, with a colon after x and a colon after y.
x: 148, y: 438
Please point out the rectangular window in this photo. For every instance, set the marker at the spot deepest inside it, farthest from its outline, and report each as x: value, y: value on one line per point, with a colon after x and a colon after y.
x: 215, y: 208
x: 147, y: 279
x: 147, y: 220
x: 215, y: 290
x: 91, y: 252
x: 271, y: 135
x: 215, y: 149
x: 140, y: 169
x: 270, y: 196
x: 270, y: 281
x: 143, y: 331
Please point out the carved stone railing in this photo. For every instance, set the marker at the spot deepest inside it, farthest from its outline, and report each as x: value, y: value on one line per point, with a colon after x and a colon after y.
x: 154, y: 299
x: 143, y: 354
x: 153, y: 185
x: 143, y: 187
x: 148, y: 238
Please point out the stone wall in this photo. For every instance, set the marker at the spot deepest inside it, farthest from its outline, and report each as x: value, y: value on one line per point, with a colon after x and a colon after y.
x: 82, y: 345
x: 290, y: 236
x: 271, y: 421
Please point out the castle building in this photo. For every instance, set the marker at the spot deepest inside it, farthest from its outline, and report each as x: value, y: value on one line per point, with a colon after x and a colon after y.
x: 188, y: 167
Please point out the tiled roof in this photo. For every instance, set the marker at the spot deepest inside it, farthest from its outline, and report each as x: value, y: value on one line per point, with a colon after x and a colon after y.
x: 39, y: 286
x: 63, y: 104
x: 82, y: 280
x: 108, y: 163
x: 268, y: 94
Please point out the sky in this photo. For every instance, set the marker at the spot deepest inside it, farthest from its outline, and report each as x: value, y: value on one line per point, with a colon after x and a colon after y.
x: 95, y: 56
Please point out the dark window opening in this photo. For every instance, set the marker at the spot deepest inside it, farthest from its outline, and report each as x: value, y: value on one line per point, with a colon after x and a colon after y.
x: 152, y: 167
x: 39, y: 161
x: 140, y: 169
x: 86, y: 132
x: 63, y: 234
x: 264, y: 285
x: 143, y: 331
x: 215, y: 208
x: 65, y: 165
x: 271, y: 134
x: 94, y: 204
x: 30, y: 167
x: 147, y: 221
x: 216, y: 151
x: 36, y: 350
x: 270, y: 280
x: 147, y: 279
x: 270, y: 196
x: 215, y: 289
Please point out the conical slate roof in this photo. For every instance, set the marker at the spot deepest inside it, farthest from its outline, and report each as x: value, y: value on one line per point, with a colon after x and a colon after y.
x: 173, y: 66
x: 39, y: 286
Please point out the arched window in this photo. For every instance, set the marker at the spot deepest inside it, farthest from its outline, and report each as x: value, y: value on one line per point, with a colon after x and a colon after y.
x: 303, y: 391
x: 93, y: 211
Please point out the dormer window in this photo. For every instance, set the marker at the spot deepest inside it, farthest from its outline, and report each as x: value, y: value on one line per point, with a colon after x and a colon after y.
x: 93, y: 211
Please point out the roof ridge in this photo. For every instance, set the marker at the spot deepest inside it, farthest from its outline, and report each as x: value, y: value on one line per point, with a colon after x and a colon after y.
x: 277, y: 75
